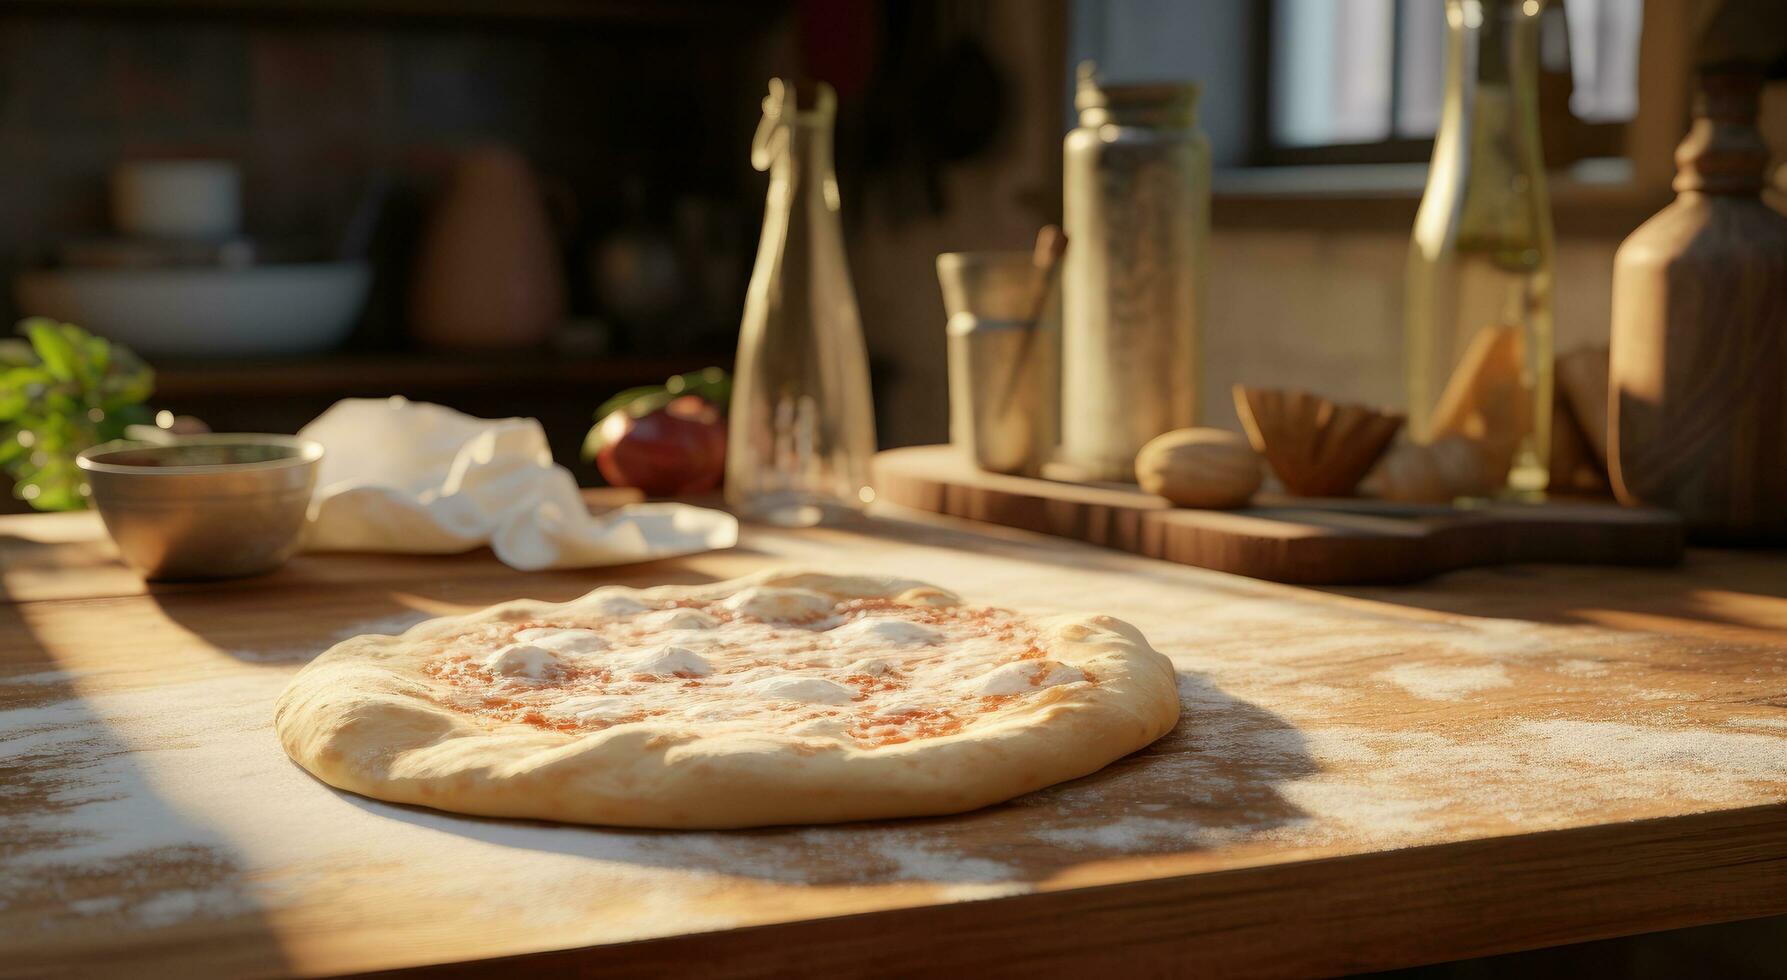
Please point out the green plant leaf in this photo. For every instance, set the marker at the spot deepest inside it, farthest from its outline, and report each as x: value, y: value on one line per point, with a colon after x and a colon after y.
x: 117, y: 421
x: 60, y: 358
x: 64, y: 391
x: 121, y: 388
x: 10, y: 447
x: 87, y: 371
x: 62, y: 404
x: 17, y: 387
x: 712, y: 384
x: 95, y: 351
x: 594, y: 442
x: 56, y: 485
x: 624, y: 398
x: 31, y: 382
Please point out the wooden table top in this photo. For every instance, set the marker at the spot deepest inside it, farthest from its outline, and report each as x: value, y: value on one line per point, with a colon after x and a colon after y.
x: 1366, y: 778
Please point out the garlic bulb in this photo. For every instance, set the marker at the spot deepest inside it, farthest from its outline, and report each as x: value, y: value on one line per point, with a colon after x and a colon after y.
x: 1435, y: 473
x: 1210, y: 468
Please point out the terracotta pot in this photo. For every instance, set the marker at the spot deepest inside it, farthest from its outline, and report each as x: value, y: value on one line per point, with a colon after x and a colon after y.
x: 488, y: 274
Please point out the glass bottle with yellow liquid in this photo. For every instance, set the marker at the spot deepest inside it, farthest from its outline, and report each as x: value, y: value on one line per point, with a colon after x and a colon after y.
x: 1479, y: 300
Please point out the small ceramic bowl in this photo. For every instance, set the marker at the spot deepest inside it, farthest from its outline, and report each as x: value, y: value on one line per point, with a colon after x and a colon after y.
x: 210, y: 506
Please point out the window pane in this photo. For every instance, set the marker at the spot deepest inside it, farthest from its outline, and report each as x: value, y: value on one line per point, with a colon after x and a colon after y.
x: 1604, y: 58
x: 1331, y: 71
x: 1421, y: 67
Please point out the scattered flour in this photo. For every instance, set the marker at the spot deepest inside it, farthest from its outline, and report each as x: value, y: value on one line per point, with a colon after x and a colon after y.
x: 1438, y: 682
x: 181, y: 905
x: 44, y: 677
x: 1767, y: 721
x: 1137, y: 834
x: 915, y: 861
x: 97, y: 906
x: 130, y: 783
x: 1361, y: 809
x: 1657, y: 756
x: 1271, y: 753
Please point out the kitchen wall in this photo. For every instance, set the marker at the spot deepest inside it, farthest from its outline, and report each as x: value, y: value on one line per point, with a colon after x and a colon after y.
x: 996, y: 200
x: 1322, y: 310
x: 1308, y: 296
x: 317, y: 107
x: 1321, y: 307
x: 1315, y: 309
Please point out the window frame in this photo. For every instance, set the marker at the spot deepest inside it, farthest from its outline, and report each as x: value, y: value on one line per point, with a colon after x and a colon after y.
x: 1565, y: 138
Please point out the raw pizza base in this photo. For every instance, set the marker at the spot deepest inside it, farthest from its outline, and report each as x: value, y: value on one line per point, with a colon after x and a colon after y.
x: 783, y: 698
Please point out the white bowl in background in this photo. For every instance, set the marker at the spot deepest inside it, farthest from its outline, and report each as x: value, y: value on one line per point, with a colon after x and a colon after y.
x: 177, y: 198
x: 205, y: 312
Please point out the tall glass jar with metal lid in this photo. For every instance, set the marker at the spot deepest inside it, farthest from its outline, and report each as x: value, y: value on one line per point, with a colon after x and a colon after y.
x: 1136, y: 177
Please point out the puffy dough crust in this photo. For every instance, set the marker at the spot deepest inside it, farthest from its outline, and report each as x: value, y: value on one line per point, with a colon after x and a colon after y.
x: 360, y: 718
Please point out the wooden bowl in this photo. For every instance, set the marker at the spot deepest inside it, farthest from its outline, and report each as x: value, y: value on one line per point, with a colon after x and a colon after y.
x: 1317, y: 447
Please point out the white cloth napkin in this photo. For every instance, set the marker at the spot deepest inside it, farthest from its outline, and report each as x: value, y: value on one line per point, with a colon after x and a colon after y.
x: 404, y: 476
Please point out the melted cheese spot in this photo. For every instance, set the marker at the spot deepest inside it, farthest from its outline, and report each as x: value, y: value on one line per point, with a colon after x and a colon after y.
x: 522, y: 660
x: 928, y: 595
x: 813, y: 690
x: 1024, y: 676
x: 666, y: 659
x: 679, y: 619
x: 883, y: 675
x: 780, y: 605
x: 905, y: 703
x: 598, y: 707
x: 884, y: 633
x: 820, y: 728
x: 564, y: 641
x: 613, y: 604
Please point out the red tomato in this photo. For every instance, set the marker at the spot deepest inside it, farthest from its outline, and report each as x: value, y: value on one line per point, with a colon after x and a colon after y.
x: 679, y: 449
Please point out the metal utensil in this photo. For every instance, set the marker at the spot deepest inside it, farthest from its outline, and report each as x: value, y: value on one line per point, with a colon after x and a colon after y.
x: 1002, y: 361
x: 1046, y: 257
x: 211, y: 506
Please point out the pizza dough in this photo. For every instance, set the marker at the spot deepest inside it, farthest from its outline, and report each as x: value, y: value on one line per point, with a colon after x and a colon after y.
x: 781, y: 698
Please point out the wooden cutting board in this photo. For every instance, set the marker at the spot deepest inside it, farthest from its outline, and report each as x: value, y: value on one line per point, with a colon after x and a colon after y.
x: 1284, y: 539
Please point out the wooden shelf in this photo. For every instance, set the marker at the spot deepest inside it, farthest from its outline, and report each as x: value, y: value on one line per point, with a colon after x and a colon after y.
x: 705, y: 14
x: 344, y: 375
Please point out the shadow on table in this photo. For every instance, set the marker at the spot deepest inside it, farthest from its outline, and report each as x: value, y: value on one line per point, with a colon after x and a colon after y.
x: 292, y: 615
x: 1749, y: 948
x: 1744, y: 589
x: 1212, y: 780
x: 1057, y: 553
x: 25, y: 561
x: 108, y: 872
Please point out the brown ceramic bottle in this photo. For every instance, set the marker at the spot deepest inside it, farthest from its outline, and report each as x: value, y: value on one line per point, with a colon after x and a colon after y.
x: 1698, y: 385
x: 488, y: 275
